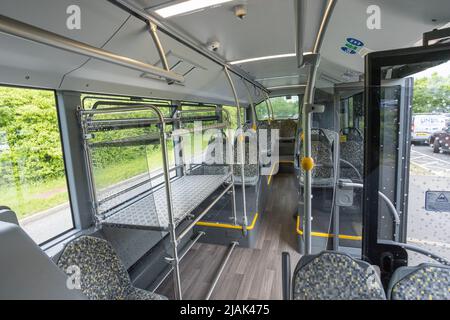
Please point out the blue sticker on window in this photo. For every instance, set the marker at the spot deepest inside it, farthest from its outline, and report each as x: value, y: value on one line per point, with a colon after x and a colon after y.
x: 352, y: 46
x: 348, y: 50
x: 355, y: 42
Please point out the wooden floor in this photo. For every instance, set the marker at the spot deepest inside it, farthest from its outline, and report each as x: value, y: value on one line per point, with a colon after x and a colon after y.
x: 250, y: 273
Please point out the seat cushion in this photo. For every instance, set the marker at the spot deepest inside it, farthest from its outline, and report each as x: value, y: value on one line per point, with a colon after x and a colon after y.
x: 139, y: 294
x: 102, y: 275
x: 336, y: 276
x: 423, y: 282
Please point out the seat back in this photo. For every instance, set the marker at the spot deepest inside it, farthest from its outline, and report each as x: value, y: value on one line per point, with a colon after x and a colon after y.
x: 352, y: 154
x: 322, y: 153
x: 26, y: 272
x: 102, y: 274
x: 288, y: 128
x: 335, y: 276
x: 423, y: 282
x: 251, y: 161
x: 7, y: 215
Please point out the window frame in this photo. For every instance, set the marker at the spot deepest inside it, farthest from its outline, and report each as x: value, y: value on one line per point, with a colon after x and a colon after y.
x: 298, y: 108
x: 63, y: 150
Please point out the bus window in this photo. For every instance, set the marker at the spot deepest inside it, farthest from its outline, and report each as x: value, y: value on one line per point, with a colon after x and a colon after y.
x: 285, y: 107
x: 262, y: 111
x: 32, y: 179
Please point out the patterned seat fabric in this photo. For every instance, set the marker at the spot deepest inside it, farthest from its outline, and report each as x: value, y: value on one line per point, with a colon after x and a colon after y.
x: 424, y: 282
x: 251, y: 169
x: 288, y: 128
x: 102, y: 274
x: 322, y: 154
x: 267, y: 136
x: 351, y: 151
x: 335, y: 276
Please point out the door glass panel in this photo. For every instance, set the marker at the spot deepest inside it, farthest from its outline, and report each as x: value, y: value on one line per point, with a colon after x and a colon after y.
x: 415, y: 160
x: 351, y: 165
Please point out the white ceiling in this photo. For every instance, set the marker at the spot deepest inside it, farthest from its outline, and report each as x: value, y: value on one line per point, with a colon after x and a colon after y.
x: 268, y: 29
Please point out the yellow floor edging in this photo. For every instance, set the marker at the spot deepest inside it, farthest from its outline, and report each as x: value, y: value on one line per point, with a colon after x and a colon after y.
x: 227, y: 225
x: 326, y: 235
x: 269, y: 180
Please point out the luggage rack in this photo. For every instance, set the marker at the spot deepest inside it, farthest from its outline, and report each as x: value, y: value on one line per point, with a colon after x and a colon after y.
x: 151, y: 213
x: 139, y: 204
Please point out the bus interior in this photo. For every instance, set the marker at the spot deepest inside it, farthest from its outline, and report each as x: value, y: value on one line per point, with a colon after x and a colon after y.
x: 224, y: 149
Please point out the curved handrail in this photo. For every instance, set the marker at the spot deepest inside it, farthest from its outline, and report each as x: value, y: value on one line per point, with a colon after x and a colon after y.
x: 252, y: 105
x: 414, y: 248
x: 240, y: 144
x: 388, y: 202
x: 353, y: 167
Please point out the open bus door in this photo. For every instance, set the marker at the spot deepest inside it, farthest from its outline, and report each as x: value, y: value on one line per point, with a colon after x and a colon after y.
x: 391, y: 167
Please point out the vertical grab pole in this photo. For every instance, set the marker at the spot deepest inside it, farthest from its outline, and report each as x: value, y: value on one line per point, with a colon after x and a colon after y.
x: 153, y: 28
x: 172, y: 228
x: 233, y: 189
x: 307, y: 162
x: 240, y: 139
x: 270, y: 106
x: 306, y: 125
x: 252, y: 104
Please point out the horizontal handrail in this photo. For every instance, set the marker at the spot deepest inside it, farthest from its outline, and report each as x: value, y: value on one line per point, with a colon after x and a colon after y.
x: 132, y: 8
x: 35, y: 34
x: 411, y: 247
x: 388, y: 202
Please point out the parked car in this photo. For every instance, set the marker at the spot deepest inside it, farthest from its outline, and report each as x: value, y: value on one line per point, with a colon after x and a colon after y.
x: 440, y: 140
x: 424, y: 125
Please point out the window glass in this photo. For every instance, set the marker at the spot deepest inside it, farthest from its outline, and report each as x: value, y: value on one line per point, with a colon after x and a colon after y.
x: 126, y: 159
x: 233, y: 115
x: 32, y: 174
x: 195, y: 143
x: 262, y: 111
x: 285, y: 107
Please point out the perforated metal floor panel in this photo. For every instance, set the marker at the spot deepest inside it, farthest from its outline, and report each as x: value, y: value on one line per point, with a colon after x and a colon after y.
x: 151, y: 213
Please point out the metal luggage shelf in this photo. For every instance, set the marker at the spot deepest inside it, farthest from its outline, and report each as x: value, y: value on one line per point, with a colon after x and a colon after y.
x: 150, y: 212
x: 128, y: 142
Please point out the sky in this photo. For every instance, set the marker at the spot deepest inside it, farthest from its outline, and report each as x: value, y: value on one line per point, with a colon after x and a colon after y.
x: 442, y: 70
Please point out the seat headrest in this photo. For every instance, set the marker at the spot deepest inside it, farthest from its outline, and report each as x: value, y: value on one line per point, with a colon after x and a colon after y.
x: 6, y: 215
x: 26, y: 272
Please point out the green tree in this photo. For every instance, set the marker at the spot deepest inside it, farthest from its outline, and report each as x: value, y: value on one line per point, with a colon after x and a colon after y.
x: 431, y: 94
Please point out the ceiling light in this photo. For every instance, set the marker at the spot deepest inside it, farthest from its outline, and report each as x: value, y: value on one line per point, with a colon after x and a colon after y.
x: 187, y: 6
x: 278, y: 56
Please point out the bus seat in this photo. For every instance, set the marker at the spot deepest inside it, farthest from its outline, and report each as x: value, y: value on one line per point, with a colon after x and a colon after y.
x: 251, y: 170
x: 351, y: 151
x: 103, y: 276
x: 335, y: 276
x: 7, y: 215
x: 26, y: 272
x: 288, y: 129
x: 321, y: 152
x: 422, y: 282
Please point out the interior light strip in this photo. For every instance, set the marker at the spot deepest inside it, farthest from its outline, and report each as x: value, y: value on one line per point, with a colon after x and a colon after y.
x: 278, y: 56
x: 187, y: 6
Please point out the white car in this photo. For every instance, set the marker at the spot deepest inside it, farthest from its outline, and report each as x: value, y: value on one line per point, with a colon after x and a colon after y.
x: 424, y: 125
